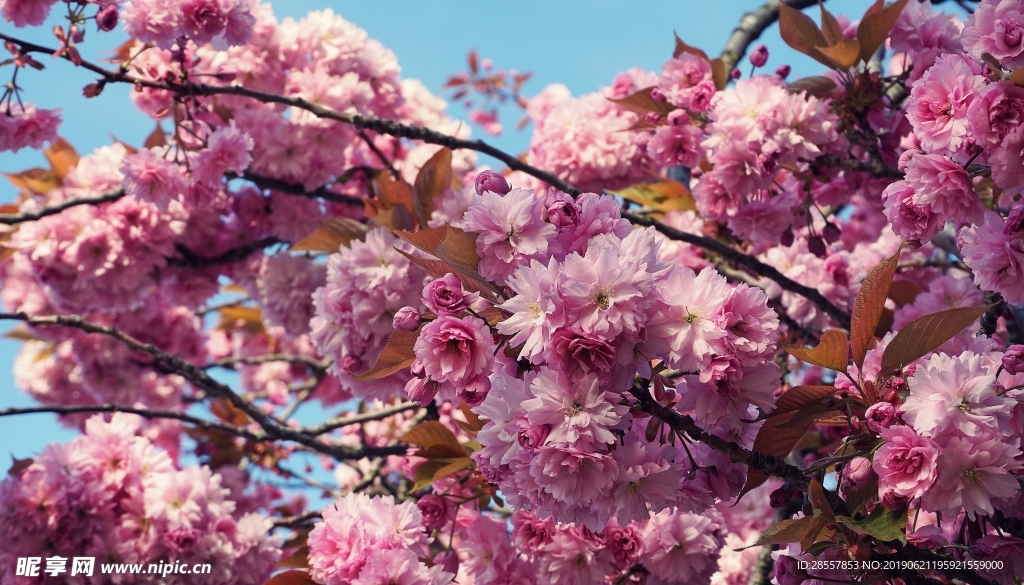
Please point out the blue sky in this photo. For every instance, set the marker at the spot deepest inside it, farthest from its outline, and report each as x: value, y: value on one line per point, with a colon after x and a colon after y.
x: 582, y: 44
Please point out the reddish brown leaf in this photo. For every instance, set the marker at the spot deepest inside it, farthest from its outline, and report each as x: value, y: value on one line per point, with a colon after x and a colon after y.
x: 434, y: 177
x: 430, y: 471
x: 391, y: 192
x: 832, y: 351
x: 818, y: 86
x: 394, y: 218
x: 718, y: 73
x: 925, y: 334
x: 429, y: 434
x: 251, y: 318
x: 473, y: 422
x: 642, y: 102
x: 291, y: 578
x: 331, y: 235
x: 156, y: 138
x: 1017, y: 76
x: 903, y: 292
x: 874, y: 27
x: 867, y: 309
x: 682, y: 47
x: 396, y: 355
x: 62, y: 157
x: 817, y: 496
x: 456, y: 251
x: 844, y: 54
x: 813, y: 412
x: 830, y: 27
x: 297, y: 560
x: 817, y: 525
x: 800, y: 32
x: 6, y: 252
x: 18, y: 465
x: 796, y: 397
x: 229, y: 413
x: 36, y: 181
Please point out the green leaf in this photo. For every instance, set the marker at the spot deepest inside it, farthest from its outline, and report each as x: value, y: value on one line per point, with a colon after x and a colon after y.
x: 925, y: 334
x: 874, y: 27
x: 832, y: 351
x: 782, y: 532
x: 882, y: 524
x: 867, y: 309
x: 397, y: 355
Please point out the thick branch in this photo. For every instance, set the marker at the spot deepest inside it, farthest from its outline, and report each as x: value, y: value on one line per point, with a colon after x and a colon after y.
x: 751, y: 25
x: 202, y: 380
x: 190, y: 260
x: 231, y: 362
x: 749, y: 262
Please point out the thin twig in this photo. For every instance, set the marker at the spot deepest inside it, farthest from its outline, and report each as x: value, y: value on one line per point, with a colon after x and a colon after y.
x: 345, y: 421
x: 231, y: 362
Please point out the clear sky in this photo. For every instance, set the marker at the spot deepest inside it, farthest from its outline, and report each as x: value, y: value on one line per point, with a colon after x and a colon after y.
x: 582, y: 44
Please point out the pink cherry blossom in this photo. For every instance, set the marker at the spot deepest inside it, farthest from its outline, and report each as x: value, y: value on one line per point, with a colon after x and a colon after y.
x: 996, y: 27
x: 455, y: 350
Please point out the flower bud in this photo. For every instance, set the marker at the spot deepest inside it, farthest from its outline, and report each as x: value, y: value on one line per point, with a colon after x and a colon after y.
x: 735, y: 74
x: 421, y: 390
x: 759, y: 56
x: 417, y: 369
x: 788, y: 571
x: 474, y: 393
x: 77, y: 33
x: 831, y: 233
x: 407, y: 319
x: 435, y: 510
x: 880, y: 416
x: 445, y: 296
x: 562, y: 210
x: 855, y: 423
x: 783, y: 71
x: 94, y: 89
x: 656, y: 95
x: 106, y: 18
x: 493, y: 182
x: 858, y: 473
x: 780, y: 496
x: 449, y: 561
x: 652, y: 117
x: 532, y: 436
x: 787, y: 237
x: 1013, y: 359
x: 816, y: 246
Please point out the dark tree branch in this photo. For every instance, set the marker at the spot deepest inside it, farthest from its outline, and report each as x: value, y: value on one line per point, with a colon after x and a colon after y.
x: 203, y: 381
x: 750, y: 28
x: 190, y: 260
x: 16, y: 218
x: 359, y: 418
x: 143, y: 412
x: 231, y: 362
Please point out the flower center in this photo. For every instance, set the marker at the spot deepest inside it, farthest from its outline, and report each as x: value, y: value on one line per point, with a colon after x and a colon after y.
x: 603, y: 299
x: 970, y: 476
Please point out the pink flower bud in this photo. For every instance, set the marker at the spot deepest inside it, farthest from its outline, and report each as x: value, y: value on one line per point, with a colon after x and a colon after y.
x: 679, y: 118
x: 435, y: 510
x: 77, y: 33
x: 880, y: 416
x: 417, y: 369
x: 532, y: 436
x: 493, y: 182
x: 788, y: 571
x: 858, y: 473
x: 783, y: 71
x: 562, y: 210
x: 106, y: 18
x: 759, y: 56
x: 831, y: 233
x: 93, y: 89
x: 816, y: 246
x: 421, y: 390
x: 787, y: 237
x: 407, y: 319
x: 476, y: 391
x: 657, y: 96
x: 1013, y: 359
x: 449, y: 561
x: 445, y: 296
x: 735, y: 74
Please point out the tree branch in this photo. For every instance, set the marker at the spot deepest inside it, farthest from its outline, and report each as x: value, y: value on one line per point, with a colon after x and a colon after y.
x: 35, y: 214
x: 231, y: 362
x: 190, y: 260
x: 359, y: 418
x: 202, y: 380
x: 750, y: 28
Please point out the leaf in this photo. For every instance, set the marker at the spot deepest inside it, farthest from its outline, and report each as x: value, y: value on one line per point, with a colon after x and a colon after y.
x: 782, y: 532
x: 883, y: 524
x: 818, y: 86
x: 291, y: 578
x: 816, y: 494
x: 229, y: 413
x: 682, y: 47
x: 843, y: 54
x: 391, y: 192
x: 642, y: 102
x: 718, y: 73
x: 774, y: 438
x: 62, y: 157
x: 36, y: 181
x: 855, y: 499
x: 1016, y: 76
x: 251, y: 317
x: 475, y: 422
x: 442, y: 452
x: 394, y: 218
x: 434, y: 177
x: 331, y: 235
x: 297, y: 560
x: 875, y: 25
x: 925, y: 334
x: 867, y: 309
x: 430, y: 471
x: 396, y: 355
x: 817, y: 525
x: 832, y: 351
x: 156, y: 138
x: 813, y: 412
x: 21, y: 333
x: 18, y: 465
x: 6, y: 252
x: 799, y: 32
x: 456, y: 251
x: 429, y: 434
x: 664, y: 195
x: 903, y: 292
x: 830, y: 27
